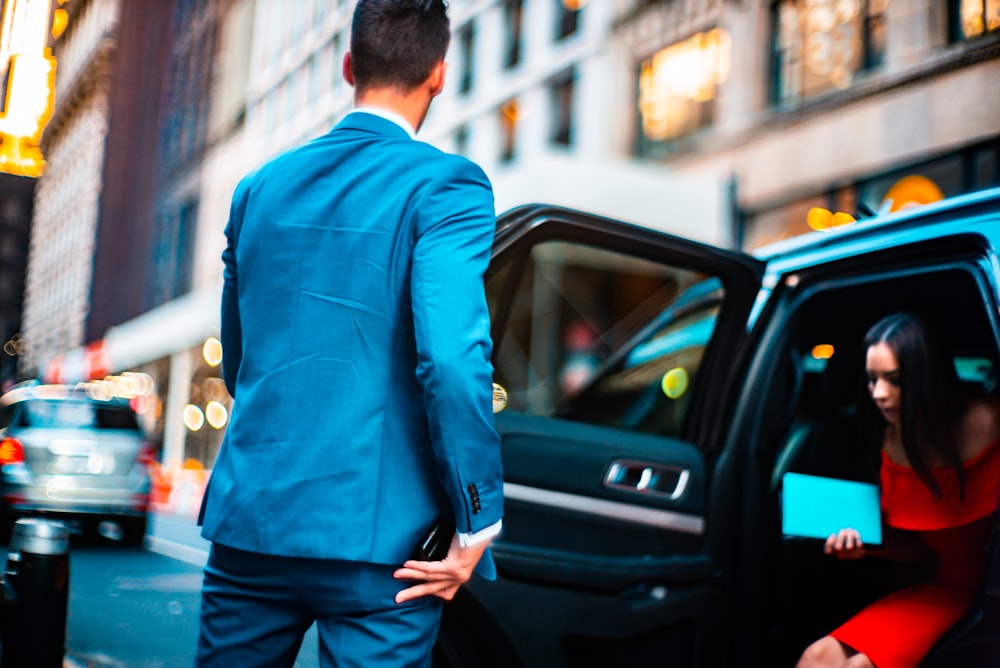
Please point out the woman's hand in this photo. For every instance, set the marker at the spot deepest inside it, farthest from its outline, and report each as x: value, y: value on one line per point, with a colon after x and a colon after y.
x: 845, y: 544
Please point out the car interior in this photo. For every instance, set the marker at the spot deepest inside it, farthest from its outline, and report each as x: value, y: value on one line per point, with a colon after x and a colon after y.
x: 822, y: 376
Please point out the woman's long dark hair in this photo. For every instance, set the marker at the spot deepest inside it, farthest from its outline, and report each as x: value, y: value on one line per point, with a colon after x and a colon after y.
x: 929, y: 396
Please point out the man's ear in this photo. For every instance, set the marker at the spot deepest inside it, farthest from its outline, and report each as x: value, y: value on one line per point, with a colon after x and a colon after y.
x: 436, y: 79
x: 348, y: 70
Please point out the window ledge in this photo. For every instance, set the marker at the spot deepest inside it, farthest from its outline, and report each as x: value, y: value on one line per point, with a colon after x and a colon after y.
x: 948, y: 59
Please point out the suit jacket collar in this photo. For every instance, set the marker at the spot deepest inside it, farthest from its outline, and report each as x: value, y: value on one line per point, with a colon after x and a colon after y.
x: 366, y: 122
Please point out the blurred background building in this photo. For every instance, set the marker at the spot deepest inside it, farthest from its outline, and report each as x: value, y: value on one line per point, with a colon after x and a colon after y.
x: 91, y: 225
x: 16, y: 198
x: 728, y: 121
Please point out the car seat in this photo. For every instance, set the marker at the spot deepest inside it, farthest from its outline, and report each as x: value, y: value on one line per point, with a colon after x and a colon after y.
x: 823, y: 438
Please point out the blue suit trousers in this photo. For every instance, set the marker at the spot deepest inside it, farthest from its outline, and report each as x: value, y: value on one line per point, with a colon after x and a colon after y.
x: 256, y: 608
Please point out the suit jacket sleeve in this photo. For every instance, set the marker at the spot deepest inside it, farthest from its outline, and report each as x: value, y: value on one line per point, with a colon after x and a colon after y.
x: 232, y: 332
x: 455, y: 228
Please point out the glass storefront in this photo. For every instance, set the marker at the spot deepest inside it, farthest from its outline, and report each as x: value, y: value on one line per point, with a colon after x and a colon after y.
x: 973, y: 168
x: 185, y: 437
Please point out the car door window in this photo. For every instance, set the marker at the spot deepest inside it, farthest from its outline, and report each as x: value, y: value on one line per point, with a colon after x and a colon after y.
x: 602, y: 337
x: 6, y: 415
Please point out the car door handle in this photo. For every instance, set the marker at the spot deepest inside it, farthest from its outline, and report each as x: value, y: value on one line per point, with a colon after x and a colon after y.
x: 645, y: 478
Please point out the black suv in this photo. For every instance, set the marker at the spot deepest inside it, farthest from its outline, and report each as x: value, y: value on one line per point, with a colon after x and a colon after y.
x: 658, y: 390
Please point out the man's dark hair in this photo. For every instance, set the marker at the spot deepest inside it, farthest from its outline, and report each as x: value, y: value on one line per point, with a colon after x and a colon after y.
x: 396, y: 43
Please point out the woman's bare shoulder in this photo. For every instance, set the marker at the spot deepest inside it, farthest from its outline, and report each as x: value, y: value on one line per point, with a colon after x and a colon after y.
x: 980, y: 426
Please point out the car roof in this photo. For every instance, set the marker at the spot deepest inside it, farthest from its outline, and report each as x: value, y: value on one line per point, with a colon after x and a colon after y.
x: 51, y: 392
x: 943, y: 218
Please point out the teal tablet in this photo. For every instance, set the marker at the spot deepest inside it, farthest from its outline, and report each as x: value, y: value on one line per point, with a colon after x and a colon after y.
x: 815, y: 507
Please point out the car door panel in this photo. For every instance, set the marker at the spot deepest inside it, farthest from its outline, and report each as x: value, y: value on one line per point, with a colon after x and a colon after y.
x: 576, y: 458
x: 605, y: 503
x: 567, y: 525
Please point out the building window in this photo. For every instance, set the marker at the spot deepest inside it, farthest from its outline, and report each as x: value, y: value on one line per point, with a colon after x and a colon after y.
x: 512, y: 32
x: 296, y: 87
x: 567, y: 17
x: 678, y: 87
x: 462, y: 139
x: 283, y: 101
x: 328, y: 71
x: 509, y: 115
x: 561, y: 92
x: 466, y: 46
x: 187, y: 223
x: 971, y: 18
x: 319, y: 13
x: 338, y: 65
x: 313, y: 80
x: 172, y: 260
x: 820, y: 45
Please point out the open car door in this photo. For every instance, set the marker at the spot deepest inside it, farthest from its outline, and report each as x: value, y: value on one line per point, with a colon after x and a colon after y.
x: 616, y: 345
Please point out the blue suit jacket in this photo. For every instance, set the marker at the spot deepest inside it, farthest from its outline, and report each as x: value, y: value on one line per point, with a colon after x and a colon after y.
x: 357, y: 348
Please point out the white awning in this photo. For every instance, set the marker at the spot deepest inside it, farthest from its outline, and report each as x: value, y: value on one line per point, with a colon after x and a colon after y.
x: 654, y: 196
x: 179, y: 324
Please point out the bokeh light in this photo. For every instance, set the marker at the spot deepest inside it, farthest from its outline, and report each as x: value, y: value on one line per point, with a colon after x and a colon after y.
x: 194, y: 419
x: 499, y: 398
x: 212, y: 351
x: 214, y: 389
x: 675, y: 382
x: 822, y: 219
x: 823, y: 351
x: 60, y: 19
x: 216, y: 414
x: 139, y: 404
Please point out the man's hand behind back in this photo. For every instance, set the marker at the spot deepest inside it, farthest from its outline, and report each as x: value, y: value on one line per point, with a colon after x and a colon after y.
x: 440, y: 578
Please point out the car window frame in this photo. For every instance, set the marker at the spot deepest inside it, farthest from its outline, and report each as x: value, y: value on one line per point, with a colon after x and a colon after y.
x: 801, y: 280
x: 711, y: 394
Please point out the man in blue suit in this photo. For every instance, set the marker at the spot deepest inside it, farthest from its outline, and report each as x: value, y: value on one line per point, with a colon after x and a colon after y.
x: 357, y: 350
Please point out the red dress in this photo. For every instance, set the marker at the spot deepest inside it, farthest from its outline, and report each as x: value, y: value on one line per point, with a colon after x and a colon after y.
x: 900, y: 629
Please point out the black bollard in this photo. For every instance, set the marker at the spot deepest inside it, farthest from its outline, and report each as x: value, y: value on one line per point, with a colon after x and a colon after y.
x: 35, y: 596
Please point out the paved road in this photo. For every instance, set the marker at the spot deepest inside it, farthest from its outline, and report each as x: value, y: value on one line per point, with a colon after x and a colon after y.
x: 131, y: 607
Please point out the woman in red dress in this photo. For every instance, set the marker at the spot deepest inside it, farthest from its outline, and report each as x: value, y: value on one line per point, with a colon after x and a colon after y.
x: 940, y: 486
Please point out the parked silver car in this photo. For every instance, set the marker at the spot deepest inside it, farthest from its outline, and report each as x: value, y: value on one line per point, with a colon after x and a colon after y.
x: 67, y: 455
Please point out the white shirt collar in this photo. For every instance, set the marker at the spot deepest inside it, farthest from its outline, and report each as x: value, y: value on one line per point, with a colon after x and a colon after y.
x: 389, y: 116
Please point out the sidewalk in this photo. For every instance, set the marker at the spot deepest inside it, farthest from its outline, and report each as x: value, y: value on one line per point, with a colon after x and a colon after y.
x: 177, y: 536
x: 175, y: 501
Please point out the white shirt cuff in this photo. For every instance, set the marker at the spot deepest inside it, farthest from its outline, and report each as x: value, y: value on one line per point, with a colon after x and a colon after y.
x: 468, y: 539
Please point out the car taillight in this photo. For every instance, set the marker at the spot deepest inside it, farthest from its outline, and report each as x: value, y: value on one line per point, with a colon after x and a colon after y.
x: 140, y: 502
x: 146, y: 455
x: 11, y: 451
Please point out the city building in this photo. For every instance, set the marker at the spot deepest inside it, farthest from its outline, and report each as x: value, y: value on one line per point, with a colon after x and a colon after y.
x: 27, y: 72
x: 200, y: 155
x: 90, y: 225
x: 735, y: 122
x: 16, y: 197
x: 835, y: 105
x: 542, y: 99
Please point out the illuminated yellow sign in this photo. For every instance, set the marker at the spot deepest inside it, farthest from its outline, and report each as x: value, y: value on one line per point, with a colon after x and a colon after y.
x: 28, y: 71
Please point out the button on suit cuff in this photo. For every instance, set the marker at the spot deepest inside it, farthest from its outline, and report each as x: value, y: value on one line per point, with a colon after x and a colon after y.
x: 469, y: 539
